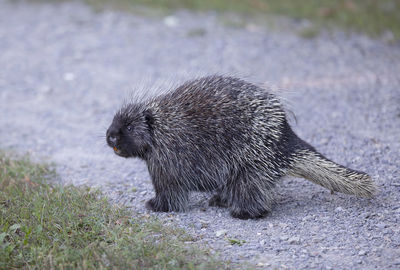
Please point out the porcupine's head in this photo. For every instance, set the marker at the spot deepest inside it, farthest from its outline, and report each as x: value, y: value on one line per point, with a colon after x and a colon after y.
x: 130, y: 131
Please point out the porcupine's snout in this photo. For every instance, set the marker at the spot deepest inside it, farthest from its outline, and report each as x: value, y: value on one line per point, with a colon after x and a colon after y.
x: 113, y: 139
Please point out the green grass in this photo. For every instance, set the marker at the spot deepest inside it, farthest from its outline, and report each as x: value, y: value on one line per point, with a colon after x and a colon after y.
x: 45, y: 226
x: 373, y: 17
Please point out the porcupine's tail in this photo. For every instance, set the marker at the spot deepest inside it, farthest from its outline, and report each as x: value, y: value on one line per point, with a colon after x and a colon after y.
x: 311, y: 165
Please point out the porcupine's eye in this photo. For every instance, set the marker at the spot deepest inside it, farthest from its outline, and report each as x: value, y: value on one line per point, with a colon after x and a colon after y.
x: 129, y: 128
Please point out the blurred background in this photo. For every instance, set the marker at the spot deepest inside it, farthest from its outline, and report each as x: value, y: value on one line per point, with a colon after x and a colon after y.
x: 374, y: 17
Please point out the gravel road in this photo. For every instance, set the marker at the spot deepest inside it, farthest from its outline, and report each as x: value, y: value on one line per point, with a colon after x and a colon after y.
x: 65, y: 69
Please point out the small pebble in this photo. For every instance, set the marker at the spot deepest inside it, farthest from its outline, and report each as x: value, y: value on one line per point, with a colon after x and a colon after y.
x: 283, y: 237
x: 220, y: 232
x: 338, y: 209
x: 362, y: 252
x: 381, y: 225
x: 69, y: 77
x: 44, y: 89
x: 294, y: 240
x: 171, y: 21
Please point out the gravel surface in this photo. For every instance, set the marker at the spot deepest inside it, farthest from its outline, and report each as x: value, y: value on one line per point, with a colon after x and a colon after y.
x: 65, y: 70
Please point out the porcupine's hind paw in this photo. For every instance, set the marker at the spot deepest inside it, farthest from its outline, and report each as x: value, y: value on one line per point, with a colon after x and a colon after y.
x: 244, y: 214
x: 217, y: 201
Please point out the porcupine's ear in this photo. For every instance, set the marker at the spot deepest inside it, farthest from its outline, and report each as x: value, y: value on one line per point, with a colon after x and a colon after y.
x: 148, y: 117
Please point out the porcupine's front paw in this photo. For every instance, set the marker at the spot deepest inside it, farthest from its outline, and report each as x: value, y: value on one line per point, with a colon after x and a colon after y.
x: 156, y: 205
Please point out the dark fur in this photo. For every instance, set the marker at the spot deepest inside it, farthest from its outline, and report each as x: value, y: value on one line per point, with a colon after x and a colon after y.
x: 216, y: 134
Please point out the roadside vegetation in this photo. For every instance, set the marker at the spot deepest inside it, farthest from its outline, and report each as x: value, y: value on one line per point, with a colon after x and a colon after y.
x: 376, y: 18
x: 47, y: 226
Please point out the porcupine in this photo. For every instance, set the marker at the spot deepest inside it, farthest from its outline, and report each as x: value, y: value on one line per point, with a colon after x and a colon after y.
x: 223, y: 135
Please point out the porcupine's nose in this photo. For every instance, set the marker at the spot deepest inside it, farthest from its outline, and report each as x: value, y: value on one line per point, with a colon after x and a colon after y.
x: 111, y: 138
